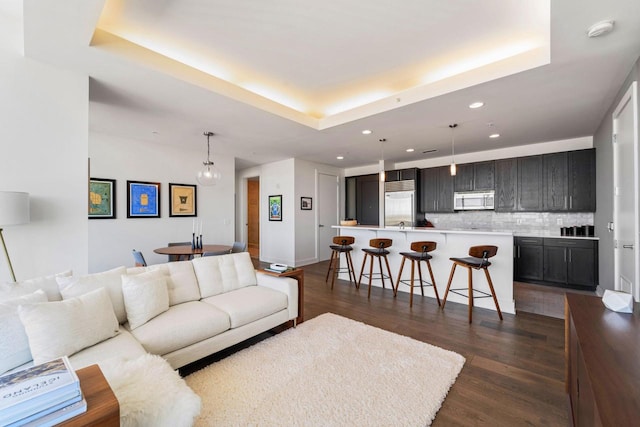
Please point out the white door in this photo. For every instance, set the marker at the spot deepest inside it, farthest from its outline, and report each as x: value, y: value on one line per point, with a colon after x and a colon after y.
x: 625, y: 190
x: 328, y: 214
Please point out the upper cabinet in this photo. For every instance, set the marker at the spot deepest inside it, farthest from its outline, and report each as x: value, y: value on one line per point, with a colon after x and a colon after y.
x: 475, y: 176
x: 529, y: 184
x: 436, y: 190
x: 401, y: 174
x: 569, y: 181
x: 582, y: 180
x: 506, y: 182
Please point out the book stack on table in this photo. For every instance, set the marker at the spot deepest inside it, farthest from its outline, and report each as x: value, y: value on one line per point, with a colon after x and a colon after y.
x: 42, y: 395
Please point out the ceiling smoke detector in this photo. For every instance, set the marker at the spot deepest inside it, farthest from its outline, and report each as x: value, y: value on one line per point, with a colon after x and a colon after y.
x: 600, y: 28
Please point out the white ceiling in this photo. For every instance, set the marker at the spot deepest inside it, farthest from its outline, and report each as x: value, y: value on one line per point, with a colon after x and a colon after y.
x: 272, y: 78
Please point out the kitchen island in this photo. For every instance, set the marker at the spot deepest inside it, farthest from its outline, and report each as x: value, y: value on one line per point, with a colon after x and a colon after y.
x: 451, y: 243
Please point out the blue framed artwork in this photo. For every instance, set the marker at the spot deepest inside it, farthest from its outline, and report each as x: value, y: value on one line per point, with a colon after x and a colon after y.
x: 275, y: 208
x: 143, y: 199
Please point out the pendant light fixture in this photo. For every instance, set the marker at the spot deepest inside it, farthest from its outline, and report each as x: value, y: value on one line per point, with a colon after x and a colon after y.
x: 382, y: 173
x: 209, y: 174
x: 452, y: 168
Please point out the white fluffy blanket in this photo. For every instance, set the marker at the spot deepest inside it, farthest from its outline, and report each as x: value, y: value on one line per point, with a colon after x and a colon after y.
x: 150, y: 393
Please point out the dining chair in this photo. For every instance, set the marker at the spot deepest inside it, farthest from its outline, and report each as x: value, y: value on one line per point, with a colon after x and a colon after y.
x: 139, y: 259
x: 238, y: 247
x: 179, y: 257
x: 216, y: 253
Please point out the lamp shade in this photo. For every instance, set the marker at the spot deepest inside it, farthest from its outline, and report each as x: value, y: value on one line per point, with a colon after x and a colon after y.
x: 14, y: 208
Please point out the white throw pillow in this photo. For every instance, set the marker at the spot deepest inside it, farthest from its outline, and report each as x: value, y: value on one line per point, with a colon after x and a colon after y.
x: 62, y: 328
x: 145, y: 296
x: 14, y: 346
x: 46, y: 283
x: 111, y: 280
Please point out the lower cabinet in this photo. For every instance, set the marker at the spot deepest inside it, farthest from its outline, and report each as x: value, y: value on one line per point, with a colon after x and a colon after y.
x: 562, y: 262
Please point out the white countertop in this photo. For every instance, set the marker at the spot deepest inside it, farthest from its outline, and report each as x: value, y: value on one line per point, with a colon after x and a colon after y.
x: 548, y: 234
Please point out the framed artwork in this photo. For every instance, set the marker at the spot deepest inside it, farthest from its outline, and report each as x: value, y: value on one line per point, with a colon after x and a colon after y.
x: 182, y: 200
x: 102, y: 198
x: 306, y: 203
x: 143, y: 199
x: 275, y: 208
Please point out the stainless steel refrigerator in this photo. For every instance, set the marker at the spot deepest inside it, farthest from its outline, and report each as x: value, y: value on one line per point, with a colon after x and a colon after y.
x: 399, y: 204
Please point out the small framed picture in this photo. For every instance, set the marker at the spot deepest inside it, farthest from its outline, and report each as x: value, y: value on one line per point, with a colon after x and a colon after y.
x: 275, y: 208
x: 306, y: 203
x: 143, y: 199
x: 102, y: 198
x: 183, y: 200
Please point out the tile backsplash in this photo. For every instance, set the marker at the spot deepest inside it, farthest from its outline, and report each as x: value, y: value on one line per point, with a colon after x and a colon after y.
x: 547, y: 222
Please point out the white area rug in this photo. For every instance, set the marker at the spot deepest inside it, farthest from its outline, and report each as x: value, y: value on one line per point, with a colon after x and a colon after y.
x: 329, y: 371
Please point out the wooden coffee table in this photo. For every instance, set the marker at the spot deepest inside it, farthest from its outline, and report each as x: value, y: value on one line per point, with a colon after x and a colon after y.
x: 102, y: 406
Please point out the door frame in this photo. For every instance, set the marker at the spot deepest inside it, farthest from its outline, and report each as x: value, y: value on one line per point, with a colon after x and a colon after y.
x: 630, y: 98
x: 317, y: 219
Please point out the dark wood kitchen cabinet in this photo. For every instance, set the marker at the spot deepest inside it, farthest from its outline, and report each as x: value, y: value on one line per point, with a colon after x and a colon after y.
x: 475, y: 176
x: 582, y: 180
x: 555, y: 197
x: 528, y: 262
x: 401, y: 175
x: 571, y: 262
x: 569, y: 181
x: 436, y: 190
x: 506, y: 182
x: 529, y: 184
x: 362, y: 198
x: 602, y: 372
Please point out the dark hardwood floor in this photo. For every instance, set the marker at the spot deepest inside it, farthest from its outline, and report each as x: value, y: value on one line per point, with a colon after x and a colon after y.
x: 514, y: 370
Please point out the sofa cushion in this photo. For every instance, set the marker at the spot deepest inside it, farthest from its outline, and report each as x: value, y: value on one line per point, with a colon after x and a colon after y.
x: 14, y: 345
x: 122, y: 345
x: 111, y: 280
x: 47, y: 283
x: 145, y: 296
x: 180, y: 326
x: 249, y: 304
x: 224, y: 273
x: 181, y: 280
x: 62, y: 328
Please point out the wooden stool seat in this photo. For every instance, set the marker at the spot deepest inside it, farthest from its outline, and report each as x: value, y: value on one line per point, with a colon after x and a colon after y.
x: 378, y: 249
x: 478, y: 259
x: 420, y: 252
x: 341, y: 245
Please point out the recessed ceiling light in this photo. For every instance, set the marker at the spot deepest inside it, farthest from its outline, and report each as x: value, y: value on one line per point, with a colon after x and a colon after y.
x: 366, y: 132
x: 410, y: 150
x: 476, y: 104
x: 600, y: 28
x: 340, y: 158
x: 494, y: 135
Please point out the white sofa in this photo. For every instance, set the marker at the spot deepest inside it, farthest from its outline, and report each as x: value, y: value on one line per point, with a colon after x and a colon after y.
x: 182, y: 311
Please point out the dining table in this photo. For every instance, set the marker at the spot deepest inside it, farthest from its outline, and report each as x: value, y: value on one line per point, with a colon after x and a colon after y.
x: 186, y: 251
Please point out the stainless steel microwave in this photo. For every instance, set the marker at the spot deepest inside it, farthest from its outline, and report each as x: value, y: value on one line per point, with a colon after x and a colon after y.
x: 476, y: 200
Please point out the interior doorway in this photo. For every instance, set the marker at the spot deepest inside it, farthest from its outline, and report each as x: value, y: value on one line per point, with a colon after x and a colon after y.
x: 253, y: 217
x: 328, y: 214
x: 626, y: 207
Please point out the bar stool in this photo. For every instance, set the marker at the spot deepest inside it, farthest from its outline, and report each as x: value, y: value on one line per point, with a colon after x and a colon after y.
x: 420, y: 253
x: 478, y: 259
x: 378, y: 250
x: 341, y: 245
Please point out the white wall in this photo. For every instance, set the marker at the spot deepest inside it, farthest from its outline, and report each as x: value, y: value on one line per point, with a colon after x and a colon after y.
x: 111, y: 240
x: 43, y: 151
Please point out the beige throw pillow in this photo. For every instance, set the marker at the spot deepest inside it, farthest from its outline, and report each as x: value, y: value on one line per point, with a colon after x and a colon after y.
x: 63, y: 328
x: 145, y: 296
x: 14, y: 346
x: 110, y: 280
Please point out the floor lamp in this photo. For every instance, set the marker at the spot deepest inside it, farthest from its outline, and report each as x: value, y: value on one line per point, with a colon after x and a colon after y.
x: 14, y: 210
